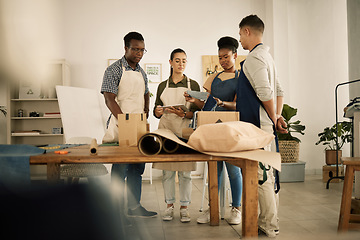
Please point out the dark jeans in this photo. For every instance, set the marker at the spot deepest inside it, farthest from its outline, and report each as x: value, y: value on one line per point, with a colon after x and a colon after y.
x: 132, y: 173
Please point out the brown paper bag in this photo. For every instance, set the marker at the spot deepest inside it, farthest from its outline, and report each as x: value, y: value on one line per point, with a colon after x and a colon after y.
x: 132, y: 126
x: 229, y: 137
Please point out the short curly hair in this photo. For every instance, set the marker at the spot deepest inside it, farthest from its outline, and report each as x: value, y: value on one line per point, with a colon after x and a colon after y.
x: 228, y: 43
x: 132, y: 35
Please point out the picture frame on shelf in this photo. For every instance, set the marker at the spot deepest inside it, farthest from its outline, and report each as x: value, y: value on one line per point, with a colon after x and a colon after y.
x: 111, y: 61
x: 30, y: 90
x: 153, y: 72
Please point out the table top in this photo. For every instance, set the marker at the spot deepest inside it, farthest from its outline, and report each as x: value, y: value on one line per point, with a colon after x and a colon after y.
x: 116, y: 154
x: 351, y: 160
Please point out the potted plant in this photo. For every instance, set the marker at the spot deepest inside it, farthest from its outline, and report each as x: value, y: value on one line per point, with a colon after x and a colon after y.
x: 288, y: 144
x: 343, y: 134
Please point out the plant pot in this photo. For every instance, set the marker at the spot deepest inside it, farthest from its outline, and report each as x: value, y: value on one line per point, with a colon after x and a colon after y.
x: 330, y: 157
x: 289, y: 151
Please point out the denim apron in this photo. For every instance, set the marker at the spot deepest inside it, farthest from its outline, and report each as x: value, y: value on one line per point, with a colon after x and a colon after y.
x: 248, y: 105
x: 224, y: 90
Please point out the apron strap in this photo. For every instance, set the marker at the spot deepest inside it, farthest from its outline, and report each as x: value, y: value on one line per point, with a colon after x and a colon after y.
x: 261, y: 182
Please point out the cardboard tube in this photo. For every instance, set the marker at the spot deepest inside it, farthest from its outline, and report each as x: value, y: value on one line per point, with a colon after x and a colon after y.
x: 150, y: 144
x: 93, y: 147
x: 170, y: 146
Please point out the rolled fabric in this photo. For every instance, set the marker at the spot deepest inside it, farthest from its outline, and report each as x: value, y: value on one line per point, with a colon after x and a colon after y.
x: 150, y: 144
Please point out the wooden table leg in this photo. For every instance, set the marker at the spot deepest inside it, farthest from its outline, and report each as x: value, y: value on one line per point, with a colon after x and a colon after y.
x: 346, y: 199
x: 249, y: 197
x: 53, y: 172
x: 213, y: 193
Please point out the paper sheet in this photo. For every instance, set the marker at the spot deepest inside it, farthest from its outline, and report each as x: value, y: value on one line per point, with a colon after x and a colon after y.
x: 271, y: 158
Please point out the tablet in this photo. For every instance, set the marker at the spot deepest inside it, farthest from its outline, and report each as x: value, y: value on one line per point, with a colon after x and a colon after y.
x: 185, y: 109
x: 199, y: 95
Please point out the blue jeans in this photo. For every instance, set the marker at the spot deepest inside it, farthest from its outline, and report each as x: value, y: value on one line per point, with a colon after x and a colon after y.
x: 132, y: 173
x: 235, y: 178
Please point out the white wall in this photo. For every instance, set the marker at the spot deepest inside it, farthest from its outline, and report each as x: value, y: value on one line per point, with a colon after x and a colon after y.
x: 353, y: 8
x: 94, y: 33
x: 308, y: 40
x: 317, y: 62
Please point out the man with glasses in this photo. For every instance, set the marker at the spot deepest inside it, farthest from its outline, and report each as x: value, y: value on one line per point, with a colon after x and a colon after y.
x: 125, y: 89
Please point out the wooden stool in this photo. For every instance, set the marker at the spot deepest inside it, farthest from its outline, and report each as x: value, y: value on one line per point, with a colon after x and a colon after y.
x: 346, y: 219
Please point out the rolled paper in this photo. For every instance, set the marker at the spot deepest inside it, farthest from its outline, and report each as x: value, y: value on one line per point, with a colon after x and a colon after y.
x: 170, y: 146
x: 150, y: 144
x: 93, y: 147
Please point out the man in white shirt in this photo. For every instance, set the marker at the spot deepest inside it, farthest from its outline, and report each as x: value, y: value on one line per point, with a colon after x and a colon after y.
x: 259, y: 101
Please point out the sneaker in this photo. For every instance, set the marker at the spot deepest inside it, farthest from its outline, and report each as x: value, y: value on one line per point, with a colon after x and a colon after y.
x: 141, y: 212
x: 168, y: 214
x: 277, y: 231
x: 205, y: 217
x: 184, y: 215
x: 235, y: 216
x: 269, y: 233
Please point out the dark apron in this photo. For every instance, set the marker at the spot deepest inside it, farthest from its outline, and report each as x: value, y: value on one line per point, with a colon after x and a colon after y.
x: 224, y: 90
x: 248, y: 105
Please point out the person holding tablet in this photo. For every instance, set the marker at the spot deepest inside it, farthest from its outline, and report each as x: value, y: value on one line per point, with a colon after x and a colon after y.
x: 170, y: 93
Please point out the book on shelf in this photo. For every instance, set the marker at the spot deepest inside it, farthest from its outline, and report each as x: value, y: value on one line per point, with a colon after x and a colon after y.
x: 52, y: 114
x: 22, y: 133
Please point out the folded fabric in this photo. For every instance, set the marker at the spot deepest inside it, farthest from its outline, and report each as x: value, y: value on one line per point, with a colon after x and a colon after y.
x: 14, y: 164
x: 229, y: 137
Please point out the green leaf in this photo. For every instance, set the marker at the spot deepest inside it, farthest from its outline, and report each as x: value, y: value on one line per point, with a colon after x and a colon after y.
x: 288, y: 112
x: 293, y: 127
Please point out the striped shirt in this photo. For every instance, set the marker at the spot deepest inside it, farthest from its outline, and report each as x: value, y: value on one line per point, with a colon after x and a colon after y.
x: 113, y: 73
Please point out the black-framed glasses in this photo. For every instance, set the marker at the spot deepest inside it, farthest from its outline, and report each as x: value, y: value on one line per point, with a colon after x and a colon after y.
x: 137, y: 50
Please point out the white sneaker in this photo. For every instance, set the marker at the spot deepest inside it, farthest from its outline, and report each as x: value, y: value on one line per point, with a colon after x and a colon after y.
x: 205, y: 217
x: 235, y: 216
x: 168, y: 214
x: 184, y: 215
x: 269, y: 233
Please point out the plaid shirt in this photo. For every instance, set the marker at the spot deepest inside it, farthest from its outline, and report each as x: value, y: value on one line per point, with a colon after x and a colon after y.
x: 113, y: 73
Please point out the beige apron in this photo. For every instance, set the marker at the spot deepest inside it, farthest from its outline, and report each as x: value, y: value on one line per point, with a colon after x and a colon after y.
x: 171, y: 121
x: 130, y: 99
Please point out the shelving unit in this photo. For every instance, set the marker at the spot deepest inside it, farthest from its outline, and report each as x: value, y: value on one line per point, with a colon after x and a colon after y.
x: 42, y: 103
